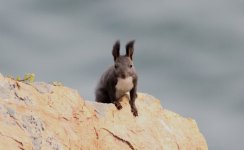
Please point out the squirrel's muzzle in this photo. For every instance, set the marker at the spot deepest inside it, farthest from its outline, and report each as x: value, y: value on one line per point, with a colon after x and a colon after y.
x: 123, y: 76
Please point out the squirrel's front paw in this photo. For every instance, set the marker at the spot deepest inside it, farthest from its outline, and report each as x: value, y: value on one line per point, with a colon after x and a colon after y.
x: 134, y: 111
x: 118, y: 105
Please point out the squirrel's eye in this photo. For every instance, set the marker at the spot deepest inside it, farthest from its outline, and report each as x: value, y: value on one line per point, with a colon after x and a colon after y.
x: 130, y: 66
x: 115, y: 66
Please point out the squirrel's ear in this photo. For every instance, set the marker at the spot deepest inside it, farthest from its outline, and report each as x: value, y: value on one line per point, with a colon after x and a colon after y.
x: 115, y: 51
x: 130, y: 49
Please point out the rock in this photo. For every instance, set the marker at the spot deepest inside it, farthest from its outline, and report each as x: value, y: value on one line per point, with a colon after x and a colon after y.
x: 41, y: 116
x: 42, y: 87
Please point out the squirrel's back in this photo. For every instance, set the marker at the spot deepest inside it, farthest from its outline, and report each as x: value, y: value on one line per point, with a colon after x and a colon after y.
x: 104, y: 84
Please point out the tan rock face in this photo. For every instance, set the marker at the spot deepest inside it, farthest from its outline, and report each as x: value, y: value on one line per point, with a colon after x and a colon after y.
x: 41, y: 116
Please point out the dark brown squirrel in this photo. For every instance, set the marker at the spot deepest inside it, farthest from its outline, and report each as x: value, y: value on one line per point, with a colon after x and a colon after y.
x: 119, y: 79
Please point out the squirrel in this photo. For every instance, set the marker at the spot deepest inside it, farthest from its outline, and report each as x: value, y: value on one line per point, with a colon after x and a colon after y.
x: 119, y: 79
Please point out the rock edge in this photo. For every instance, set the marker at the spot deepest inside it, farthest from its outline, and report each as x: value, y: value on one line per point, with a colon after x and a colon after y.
x: 42, y: 116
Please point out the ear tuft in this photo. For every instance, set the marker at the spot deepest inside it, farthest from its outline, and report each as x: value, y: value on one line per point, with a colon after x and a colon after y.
x: 130, y: 48
x: 115, y: 50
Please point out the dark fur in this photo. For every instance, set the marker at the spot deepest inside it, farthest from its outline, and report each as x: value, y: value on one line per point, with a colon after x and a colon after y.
x: 123, y: 67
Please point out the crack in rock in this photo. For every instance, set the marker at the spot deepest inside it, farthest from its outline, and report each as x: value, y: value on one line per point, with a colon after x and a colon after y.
x: 26, y: 99
x: 119, y: 138
x: 17, y: 141
x: 97, y: 135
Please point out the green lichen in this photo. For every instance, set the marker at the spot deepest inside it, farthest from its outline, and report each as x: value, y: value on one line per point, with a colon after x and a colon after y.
x: 28, y: 78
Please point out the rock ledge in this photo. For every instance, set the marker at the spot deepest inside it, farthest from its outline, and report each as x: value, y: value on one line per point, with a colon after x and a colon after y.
x: 41, y: 116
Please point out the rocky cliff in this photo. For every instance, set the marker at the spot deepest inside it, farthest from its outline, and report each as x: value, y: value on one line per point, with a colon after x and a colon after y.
x: 42, y: 116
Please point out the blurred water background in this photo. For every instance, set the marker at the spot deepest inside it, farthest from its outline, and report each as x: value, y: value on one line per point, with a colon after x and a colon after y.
x: 189, y: 54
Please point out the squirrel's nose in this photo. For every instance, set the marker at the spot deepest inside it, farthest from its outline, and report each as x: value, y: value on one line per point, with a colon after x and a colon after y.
x: 123, y: 75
